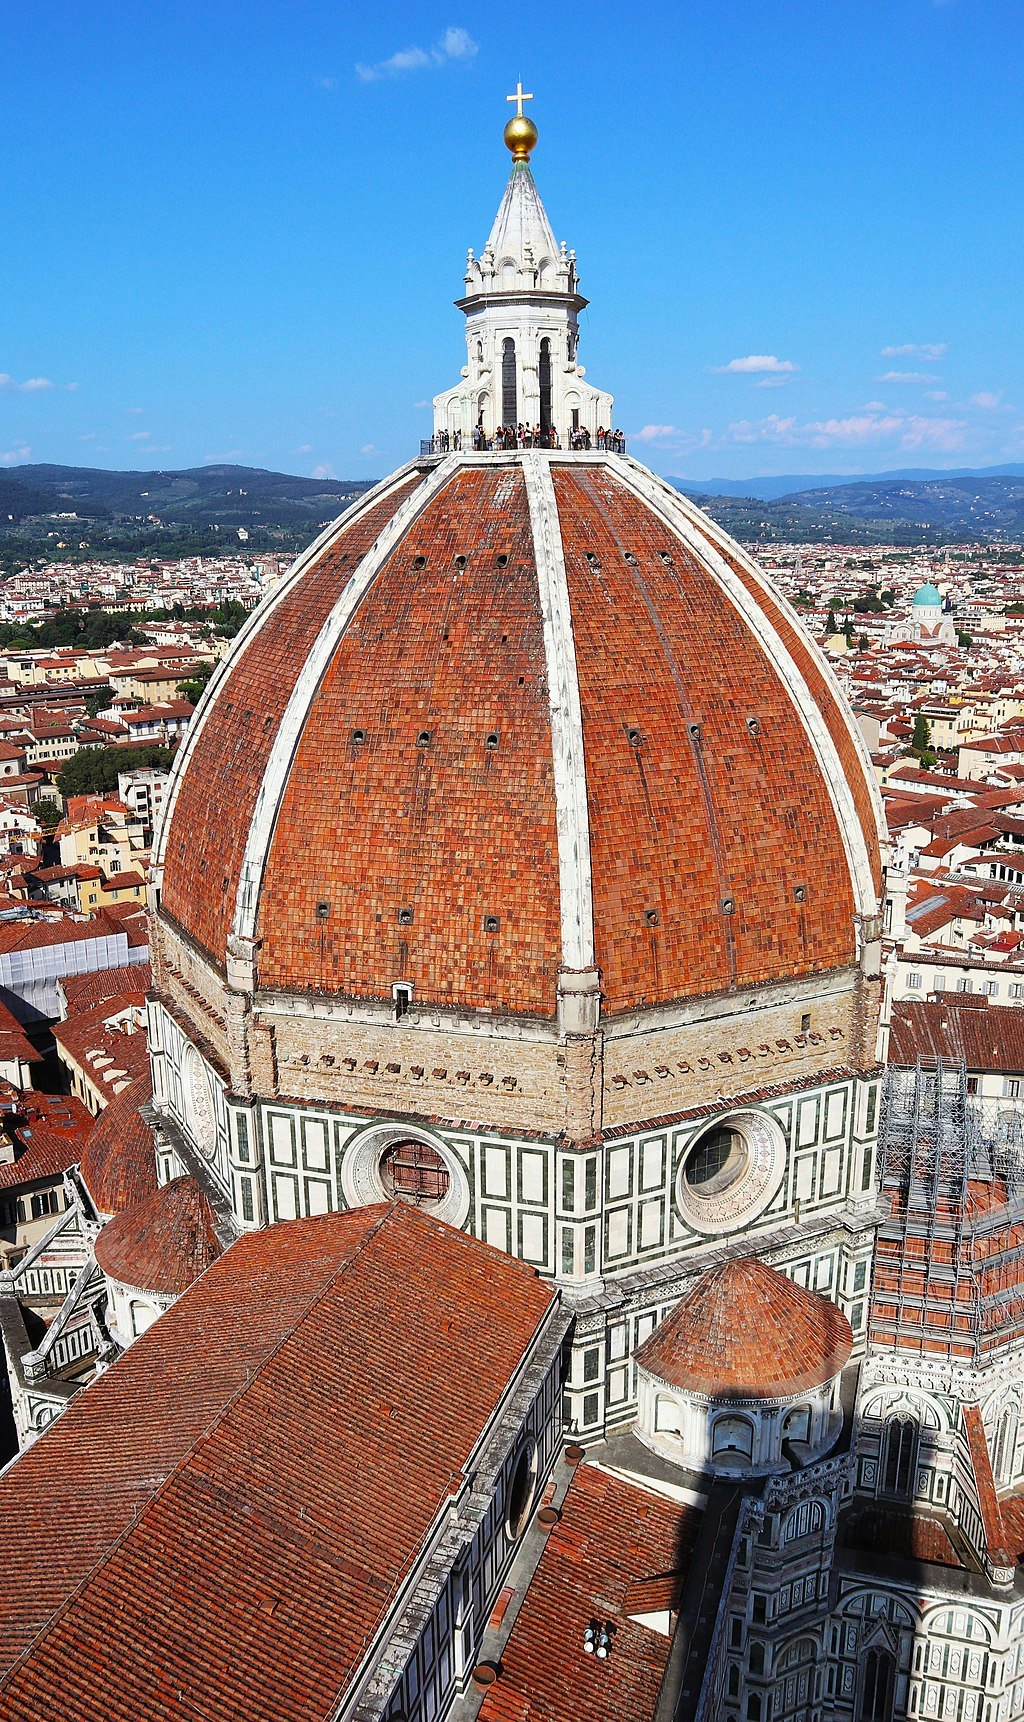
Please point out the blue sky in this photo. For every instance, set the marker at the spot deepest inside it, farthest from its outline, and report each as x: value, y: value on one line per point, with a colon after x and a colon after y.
x: 235, y: 231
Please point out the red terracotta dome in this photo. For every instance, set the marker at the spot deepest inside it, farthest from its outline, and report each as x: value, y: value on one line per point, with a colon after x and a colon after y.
x: 519, y: 713
x: 118, y: 1163
x: 163, y: 1243
x: 745, y: 1331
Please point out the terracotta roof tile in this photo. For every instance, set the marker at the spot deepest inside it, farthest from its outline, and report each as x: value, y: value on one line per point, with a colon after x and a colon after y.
x: 164, y: 1242
x: 233, y: 1494
x: 746, y: 1331
x: 118, y: 1162
x: 611, y: 1541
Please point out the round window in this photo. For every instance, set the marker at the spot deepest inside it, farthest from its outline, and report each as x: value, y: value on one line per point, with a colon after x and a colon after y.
x: 718, y: 1161
x: 414, y: 1172
x: 731, y: 1172
x: 521, y: 1491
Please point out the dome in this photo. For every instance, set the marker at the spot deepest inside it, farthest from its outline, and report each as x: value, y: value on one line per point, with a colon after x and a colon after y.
x: 516, y: 714
x: 745, y: 1331
x: 927, y: 596
x: 163, y: 1243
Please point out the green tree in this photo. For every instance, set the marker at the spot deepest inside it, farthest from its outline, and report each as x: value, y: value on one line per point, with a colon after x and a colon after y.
x: 921, y: 741
x: 192, y: 689
x: 93, y: 770
x: 98, y: 698
x: 831, y: 626
x: 864, y: 643
x: 48, y: 813
x: 964, y: 641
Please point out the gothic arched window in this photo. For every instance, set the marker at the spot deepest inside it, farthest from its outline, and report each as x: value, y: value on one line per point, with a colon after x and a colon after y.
x: 878, y: 1688
x: 900, y: 1469
x: 1005, y: 1445
x: 509, y: 392
x: 545, y: 385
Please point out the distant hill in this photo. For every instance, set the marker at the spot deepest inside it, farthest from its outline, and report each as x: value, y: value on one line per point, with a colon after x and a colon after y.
x: 60, y: 511
x: 768, y: 488
x: 201, y: 495
x: 17, y: 500
x: 57, y: 511
x: 938, y: 510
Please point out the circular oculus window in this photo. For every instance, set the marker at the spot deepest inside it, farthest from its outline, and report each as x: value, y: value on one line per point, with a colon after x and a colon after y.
x: 730, y: 1172
x: 521, y: 1491
x: 387, y: 1163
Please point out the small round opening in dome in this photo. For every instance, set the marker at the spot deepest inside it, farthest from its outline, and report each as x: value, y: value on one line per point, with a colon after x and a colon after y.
x: 719, y: 1161
x: 414, y: 1172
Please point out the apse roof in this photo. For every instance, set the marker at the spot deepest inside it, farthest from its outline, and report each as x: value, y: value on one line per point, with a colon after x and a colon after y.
x: 745, y: 1331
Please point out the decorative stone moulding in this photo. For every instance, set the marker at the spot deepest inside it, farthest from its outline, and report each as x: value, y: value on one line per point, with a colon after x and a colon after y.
x: 729, y: 1202
x: 362, y: 1179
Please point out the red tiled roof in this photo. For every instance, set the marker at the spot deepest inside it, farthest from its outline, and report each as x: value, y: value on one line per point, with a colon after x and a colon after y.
x: 981, y: 1462
x: 14, y: 1042
x: 891, y: 1530
x: 611, y: 1540
x: 220, y: 1524
x: 746, y: 1331
x: 121, y: 986
x: 721, y: 829
x: 104, y: 1052
x: 215, y: 803
x: 985, y: 1036
x: 50, y: 1133
x: 164, y: 1242
x: 118, y: 1162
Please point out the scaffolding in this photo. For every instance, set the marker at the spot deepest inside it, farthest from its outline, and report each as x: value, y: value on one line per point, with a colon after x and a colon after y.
x: 949, y: 1265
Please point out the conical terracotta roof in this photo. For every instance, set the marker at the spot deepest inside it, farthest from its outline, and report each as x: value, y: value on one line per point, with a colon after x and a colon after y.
x: 745, y: 1331
x: 163, y: 1243
x: 118, y: 1163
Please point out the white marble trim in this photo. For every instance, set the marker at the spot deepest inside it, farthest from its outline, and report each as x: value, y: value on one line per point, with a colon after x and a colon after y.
x: 255, y: 624
x: 275, y: 778
x: 700, y: 536
x: 573, y: 823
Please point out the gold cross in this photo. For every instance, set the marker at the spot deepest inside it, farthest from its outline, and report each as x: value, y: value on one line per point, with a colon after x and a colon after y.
x: 520, y: 97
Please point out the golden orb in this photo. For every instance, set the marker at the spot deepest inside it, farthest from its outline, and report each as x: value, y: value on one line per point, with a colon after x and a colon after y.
x: 520, y: 136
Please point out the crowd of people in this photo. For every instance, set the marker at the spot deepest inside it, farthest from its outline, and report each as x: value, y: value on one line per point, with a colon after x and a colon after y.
x: 531, y: 436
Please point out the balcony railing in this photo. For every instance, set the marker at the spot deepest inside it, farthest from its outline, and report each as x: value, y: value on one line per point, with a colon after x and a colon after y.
x: 452, y: 442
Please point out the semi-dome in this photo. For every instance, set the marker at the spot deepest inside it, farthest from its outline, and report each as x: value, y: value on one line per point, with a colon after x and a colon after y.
x: 163, y: 1243
x: 517, y: 714
x: 746, y: 1331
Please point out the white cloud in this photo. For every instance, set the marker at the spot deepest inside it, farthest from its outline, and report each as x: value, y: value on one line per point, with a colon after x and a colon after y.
x: 937, y: 394
x: 327, y: 83
x: 454, y: 46
x: 322, y: 472
x: 140, y: 436
x: 31, y: 386
x: 755, y: 362
x: 655, y: 433
x: 419, y: 406
x: 927, y: 350
x: 874, y: 406
x: 369, y: 448
x: 907, y: 431
x: 15, y: 456
x: 987, y: 400
x: 907, y: 377
x: 304, y: 448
